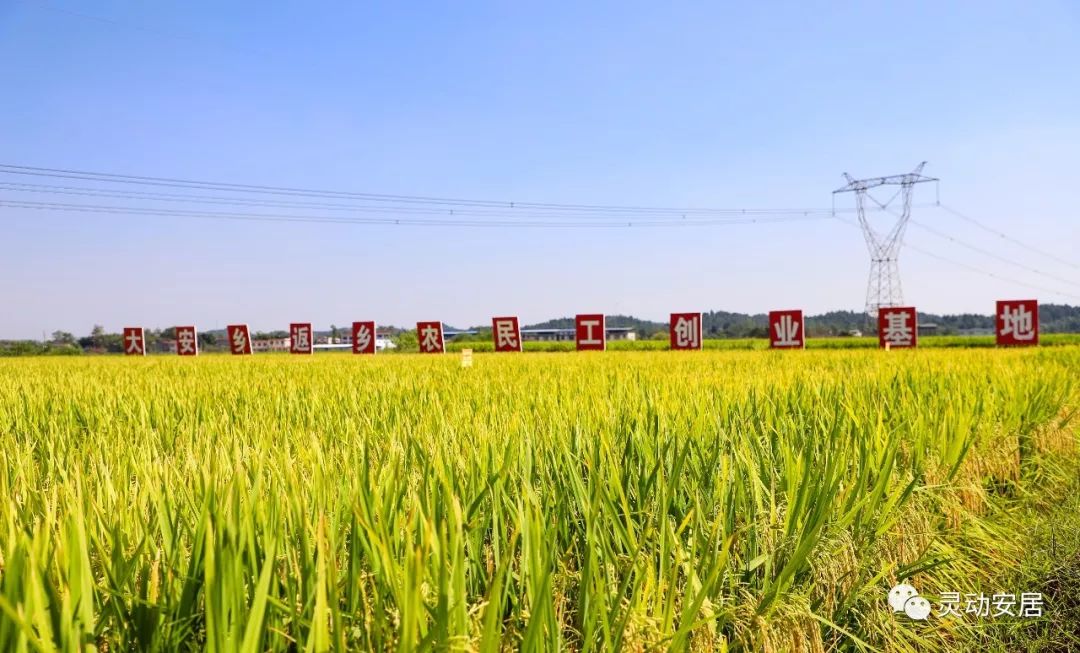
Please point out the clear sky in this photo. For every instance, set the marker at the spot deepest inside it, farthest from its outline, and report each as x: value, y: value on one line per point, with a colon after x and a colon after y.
x: 636, y: 103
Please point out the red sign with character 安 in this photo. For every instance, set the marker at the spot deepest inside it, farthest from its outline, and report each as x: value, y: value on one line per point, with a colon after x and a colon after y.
x: 786, y: 330
x: 187, y: 343
x: 239, y: 339
x: 134, y: 342
x: 506, y: 333
x: 1017, y: 322
x: 430, y: 337
x: 898, y: 327
x: 685, y: 330
x: 363, y: 337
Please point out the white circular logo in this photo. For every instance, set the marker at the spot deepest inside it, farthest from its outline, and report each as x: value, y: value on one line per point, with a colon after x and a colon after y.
x: 917, y: 608
x: 899, y: 595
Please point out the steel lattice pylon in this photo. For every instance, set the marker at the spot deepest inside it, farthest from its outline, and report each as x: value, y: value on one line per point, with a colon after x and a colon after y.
x: 884, y: 289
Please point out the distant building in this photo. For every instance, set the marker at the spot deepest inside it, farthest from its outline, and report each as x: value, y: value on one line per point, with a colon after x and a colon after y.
x: 568, y: 334
x: 271, y: 344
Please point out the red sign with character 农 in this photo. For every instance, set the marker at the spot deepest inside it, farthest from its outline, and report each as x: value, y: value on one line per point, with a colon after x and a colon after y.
x: 363, y: 337
x: 1017, y: 322
x: 898, y: 327
x: 239, y: 339
x: 506, y: 333
x: 429, y: 335
x: 685, y: 330
x: 786, y: 330
x: 589, y: 332
x: 187, y: 342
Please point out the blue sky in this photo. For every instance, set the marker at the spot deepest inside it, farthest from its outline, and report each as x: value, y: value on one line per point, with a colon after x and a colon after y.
x: 670, y: 104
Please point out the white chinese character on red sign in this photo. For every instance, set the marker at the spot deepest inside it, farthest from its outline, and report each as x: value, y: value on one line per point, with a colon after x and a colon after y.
x: 786, y: 330
x: 506, y: 333
x: 187, y: 344
x: 134, y: 343
x: 589, y: 332
x: 300, y: 341
x: 430, y: 337
x: 898, y: 327
x: 685, y: 330
x: 1017, y: 322
x: 363, y: 337
x: 239, y: 339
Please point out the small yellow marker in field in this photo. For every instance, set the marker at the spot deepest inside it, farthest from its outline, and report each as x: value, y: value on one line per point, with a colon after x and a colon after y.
x: 466, y: 358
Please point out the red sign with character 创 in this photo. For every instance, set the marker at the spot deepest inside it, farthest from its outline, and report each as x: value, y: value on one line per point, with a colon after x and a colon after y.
x: 685, y: 330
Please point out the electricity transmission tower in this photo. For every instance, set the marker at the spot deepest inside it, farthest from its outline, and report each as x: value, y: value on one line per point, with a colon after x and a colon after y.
x: 883, y: 289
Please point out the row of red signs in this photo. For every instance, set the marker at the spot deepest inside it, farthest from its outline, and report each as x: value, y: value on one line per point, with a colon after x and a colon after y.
x: 1017, y: 323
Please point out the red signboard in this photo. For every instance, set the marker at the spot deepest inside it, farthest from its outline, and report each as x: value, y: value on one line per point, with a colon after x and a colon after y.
x: 430, y: 337
x: 187, y: 343
x: 301, y: 338
x: 589, y: 332
x: 506, y: 333
x: 898, y: 327
x: 1017, y: 322
x: 363, y: 337
x: 786, y: 330
x: 685, y: 330
x: 239, y: 339
x: 134, y: 342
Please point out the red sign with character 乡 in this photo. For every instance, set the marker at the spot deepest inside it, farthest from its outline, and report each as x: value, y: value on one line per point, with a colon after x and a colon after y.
x: 239, y: 339
x: 363, y: 337
x: 1017, y: 322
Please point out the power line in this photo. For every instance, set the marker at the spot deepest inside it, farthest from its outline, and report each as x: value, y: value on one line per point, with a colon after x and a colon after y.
x: 418, y: 210
x: 992, y: 255
x: 976, y: 269
x: 404, y: 221
x: 1004, y: 236
x: 145, y: 180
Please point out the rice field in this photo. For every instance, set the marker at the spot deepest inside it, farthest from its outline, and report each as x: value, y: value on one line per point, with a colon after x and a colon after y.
x: 716, y: 500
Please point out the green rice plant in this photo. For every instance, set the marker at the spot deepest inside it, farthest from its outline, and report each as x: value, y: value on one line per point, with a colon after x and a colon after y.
x: 716, y: 500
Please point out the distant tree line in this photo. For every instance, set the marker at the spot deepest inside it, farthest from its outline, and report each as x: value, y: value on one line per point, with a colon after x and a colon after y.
x: 1053, y: 318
